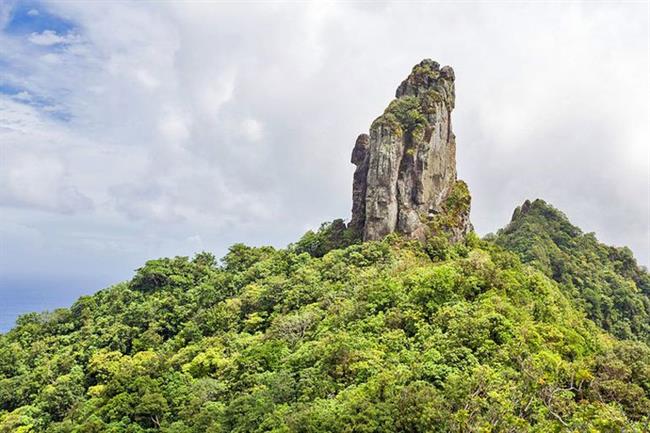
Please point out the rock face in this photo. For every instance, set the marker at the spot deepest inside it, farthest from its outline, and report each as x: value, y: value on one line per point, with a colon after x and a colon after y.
x: 405, y: 180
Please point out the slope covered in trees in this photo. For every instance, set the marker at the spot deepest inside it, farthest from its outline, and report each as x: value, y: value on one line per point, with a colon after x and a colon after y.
x: 385, y: 336
x: 604, y: 281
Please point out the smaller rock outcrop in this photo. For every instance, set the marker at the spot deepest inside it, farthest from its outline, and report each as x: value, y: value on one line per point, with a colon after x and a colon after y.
x: 405, y: 180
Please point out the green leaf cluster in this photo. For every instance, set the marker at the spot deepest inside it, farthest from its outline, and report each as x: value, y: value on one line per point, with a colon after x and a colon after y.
x: 330, y: 236
x: 374, y: 337
x: 604, y: 281
x: 455, y: 208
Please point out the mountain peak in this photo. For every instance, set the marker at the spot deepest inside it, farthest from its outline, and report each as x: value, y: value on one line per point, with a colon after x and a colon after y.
x: 405, y: 179
x: 427, y: 75
x: 537, y: 206
x: 605, y: 280
x: 545, y: 215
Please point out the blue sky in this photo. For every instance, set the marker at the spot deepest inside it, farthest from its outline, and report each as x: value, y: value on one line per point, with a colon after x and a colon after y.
x: 134, y: 130
x: 27, y: 17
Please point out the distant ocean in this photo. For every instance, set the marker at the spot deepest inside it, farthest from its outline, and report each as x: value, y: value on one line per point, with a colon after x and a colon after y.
x: 21, y: 295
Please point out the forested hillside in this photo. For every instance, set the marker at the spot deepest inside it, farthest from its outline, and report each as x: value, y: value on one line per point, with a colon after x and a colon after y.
x: 383, y: 336
x: 604, y: 281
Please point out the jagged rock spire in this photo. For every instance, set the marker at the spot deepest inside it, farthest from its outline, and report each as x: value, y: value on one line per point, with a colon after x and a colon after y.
x: 405, y: 179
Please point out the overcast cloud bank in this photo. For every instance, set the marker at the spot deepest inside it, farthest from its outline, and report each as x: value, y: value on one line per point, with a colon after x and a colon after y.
x: 130, y: 131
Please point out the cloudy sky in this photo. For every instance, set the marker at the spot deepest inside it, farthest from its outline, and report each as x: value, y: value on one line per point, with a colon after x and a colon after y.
x: 130, y: 131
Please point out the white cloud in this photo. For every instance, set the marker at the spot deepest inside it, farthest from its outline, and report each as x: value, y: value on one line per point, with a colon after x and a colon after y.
x: 32, y: 12
x: 49, y: 37
x: 37, y: 181
x: 5, y: 12
x: 33, y: 172
x: 23, y: 96
x: 252, y: 129
x: 202, y: 124
x: 215, y: 91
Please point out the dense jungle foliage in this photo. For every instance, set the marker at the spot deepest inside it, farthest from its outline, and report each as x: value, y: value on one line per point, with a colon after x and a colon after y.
x: 604, y: 281
x: 390, y: 336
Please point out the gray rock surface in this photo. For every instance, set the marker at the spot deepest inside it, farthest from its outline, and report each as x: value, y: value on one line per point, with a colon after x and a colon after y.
x: 360, y: 159
x: 405, y: 179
